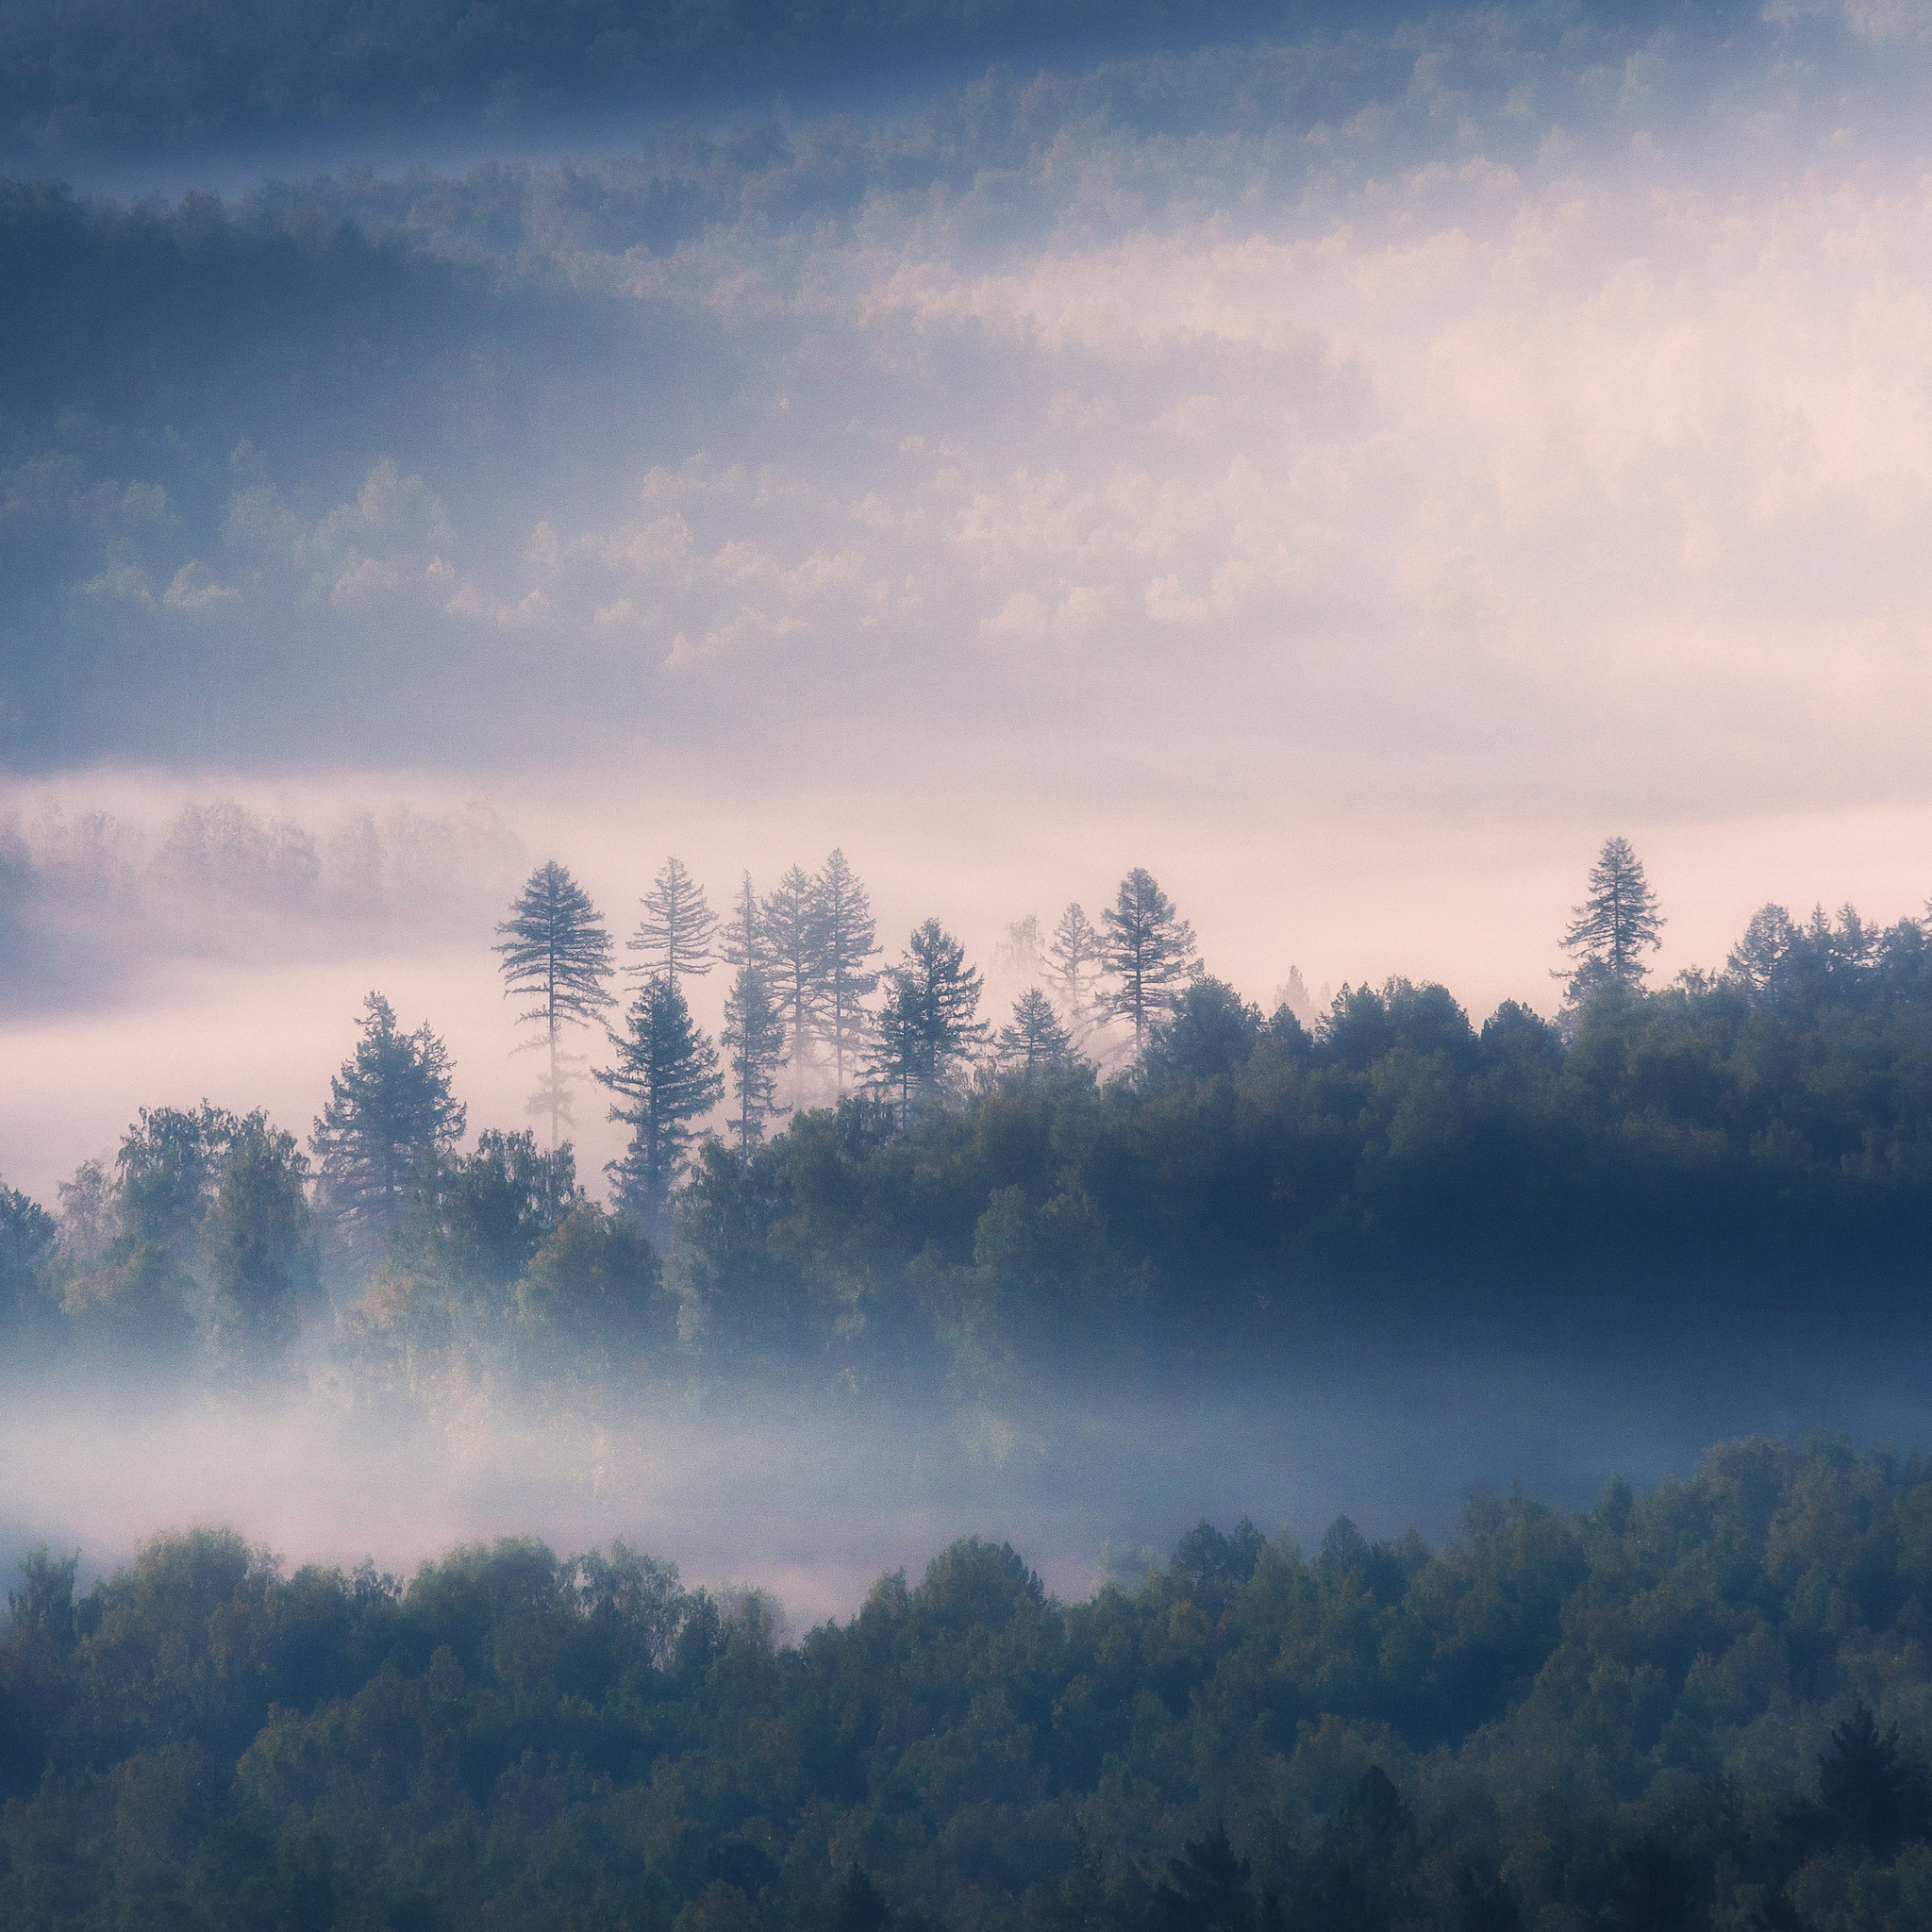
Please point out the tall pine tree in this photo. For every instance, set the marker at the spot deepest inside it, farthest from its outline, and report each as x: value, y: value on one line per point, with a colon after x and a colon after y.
x: 678, y: 929
x: 1616, y: 923
x: 754, y: 1051
x: 928, y: 1026
x: 390, y: 1118
x: 1149, y: 949
x: 794, y: 964
x: 556, y: 953
x: 666, y: 1076
x: 1034, y: 1042
x: 846, y: 938
x: 1075, y: 952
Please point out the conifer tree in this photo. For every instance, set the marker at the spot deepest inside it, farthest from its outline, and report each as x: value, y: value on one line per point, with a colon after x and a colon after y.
x: 754, y: 1051
x: 1617, y: 921
x: 1076, y: 953
x: 744, y: 931
x: 1149, y: 949
x: 390, y: 1116
x: 556, y: 953
x: 847, y: 938
x: 927, y: 1025
x: 794, y: 965
x: 678, y: 928
x: 666, y: 1076
x: 1034, y: 1042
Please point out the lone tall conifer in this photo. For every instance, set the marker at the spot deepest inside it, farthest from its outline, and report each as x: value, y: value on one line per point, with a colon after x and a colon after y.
x: 555, y: 953
x: 1616, y: 922
x: 1149, y: 949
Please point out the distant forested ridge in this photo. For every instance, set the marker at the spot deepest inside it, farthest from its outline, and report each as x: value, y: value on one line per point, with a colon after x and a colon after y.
x: 866, y: 1181
x: 1707, y: 1708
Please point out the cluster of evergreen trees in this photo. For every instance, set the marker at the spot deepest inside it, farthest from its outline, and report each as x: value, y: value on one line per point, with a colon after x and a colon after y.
x: 801, y: 959
x: 1718, y: 1150
x: 1700, y: 1711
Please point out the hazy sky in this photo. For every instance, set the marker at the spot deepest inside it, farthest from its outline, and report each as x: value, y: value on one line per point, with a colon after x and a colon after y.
x: 1351, y: 469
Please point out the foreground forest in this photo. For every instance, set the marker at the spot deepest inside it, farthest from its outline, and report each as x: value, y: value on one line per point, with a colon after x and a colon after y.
x: 1702, y: 1707
x: 1139, y: 1162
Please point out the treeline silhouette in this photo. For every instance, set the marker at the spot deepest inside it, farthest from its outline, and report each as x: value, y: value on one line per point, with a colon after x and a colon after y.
x: 1741, y: 1154
x: 1702, y: 1709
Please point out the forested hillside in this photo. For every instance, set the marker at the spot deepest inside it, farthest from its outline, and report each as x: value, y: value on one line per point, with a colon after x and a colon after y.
x: 1702, y: 1707
x: 872, y: 1187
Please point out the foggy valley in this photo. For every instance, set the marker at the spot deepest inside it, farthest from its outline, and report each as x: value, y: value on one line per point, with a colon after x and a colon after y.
x: 965, y: 968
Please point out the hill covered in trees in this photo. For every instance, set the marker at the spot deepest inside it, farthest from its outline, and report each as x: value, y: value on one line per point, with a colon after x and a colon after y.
x: 1706, y: 1707
x: 1140, y: 1160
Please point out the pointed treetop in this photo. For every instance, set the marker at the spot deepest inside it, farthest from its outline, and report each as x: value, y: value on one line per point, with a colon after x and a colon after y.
x: 678, y: 928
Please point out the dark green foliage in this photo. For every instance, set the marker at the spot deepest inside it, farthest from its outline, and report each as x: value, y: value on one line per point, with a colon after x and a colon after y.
x: 389, y: 1117
x: 1033, y: 1042
x: 1149, y: 950
x: 1606, y: 1721
x: 1211, y: 1032
x: 261, y: 1251
x: 591, y: 1301
x: 928, y: 1023
x: 665, y: 1077
x: 754, y: 1042
x: 27, y: 1234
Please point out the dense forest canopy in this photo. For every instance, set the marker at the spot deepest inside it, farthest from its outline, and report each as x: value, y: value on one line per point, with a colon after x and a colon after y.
x: 874, y: 1181
x: 1706, y: 1707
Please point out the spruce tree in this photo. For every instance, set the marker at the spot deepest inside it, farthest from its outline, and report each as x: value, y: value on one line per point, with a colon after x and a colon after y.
x: 794, y: 965
x: 678, y: 929
x: 1076, y: 953
x: 390, y: 1118
x: 754, y: 1051
x: 1034, y: 1042
x: 1616, y: 922
x: 666, y: 1076
x: 928, y: 1026
x: 1149, y: 949
x: 847, y: 938
x: 744, y: 931
x: 555, y: 953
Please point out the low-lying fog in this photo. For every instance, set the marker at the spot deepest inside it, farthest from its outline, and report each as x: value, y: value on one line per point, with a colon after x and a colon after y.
x: 814, y: 1500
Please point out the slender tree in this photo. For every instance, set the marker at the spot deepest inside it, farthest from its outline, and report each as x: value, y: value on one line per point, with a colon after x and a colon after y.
x: 556, y: 953
x: 795, y: 966
x: 666, y: 1076
x: 1076, y: 953
x: 1149, y: 949
x: 390, y: 1115
x: 678, y: 929
x: 1034, y: 1042
x: 928, y: 1026
x: 744, y: 931
x: 847, y: 938
x: 1617, y: 920
x: 754, y: 1051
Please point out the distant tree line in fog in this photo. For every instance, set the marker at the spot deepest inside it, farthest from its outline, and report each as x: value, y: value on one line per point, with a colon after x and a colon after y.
x: 1700, y: 1711
x: 898, y: 1190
